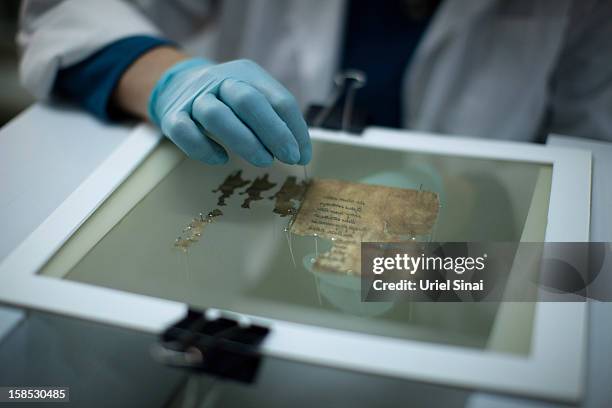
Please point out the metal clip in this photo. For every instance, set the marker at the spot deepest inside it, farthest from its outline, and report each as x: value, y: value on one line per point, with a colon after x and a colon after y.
x: 220, y: 346
x: 346, y: 85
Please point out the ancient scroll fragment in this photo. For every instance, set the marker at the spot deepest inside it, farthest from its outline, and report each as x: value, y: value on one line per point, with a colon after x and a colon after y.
x: 350, y: 213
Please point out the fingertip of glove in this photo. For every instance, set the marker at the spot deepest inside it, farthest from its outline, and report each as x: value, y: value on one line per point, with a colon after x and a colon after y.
x: 289, y: 154
x: 306, y: 156
x: 217, y: 160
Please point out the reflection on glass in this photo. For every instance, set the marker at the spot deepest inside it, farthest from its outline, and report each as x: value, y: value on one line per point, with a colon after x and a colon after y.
x: 247, y: 260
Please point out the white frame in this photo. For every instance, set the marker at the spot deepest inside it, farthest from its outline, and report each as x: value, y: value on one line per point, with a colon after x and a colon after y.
x: 548, y: 372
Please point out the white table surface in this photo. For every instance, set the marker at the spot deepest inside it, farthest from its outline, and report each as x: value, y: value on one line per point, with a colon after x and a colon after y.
x: 47, y: 151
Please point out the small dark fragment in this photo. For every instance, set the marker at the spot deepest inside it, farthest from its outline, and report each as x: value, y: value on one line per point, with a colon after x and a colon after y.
x: 259, y: 185
x: 229, y: 185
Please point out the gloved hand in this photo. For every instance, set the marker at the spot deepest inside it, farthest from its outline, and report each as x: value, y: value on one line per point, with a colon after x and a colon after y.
x: 201, y: 106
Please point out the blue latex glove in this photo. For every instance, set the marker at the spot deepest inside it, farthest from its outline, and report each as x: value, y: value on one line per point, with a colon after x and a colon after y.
x: 201, y: 106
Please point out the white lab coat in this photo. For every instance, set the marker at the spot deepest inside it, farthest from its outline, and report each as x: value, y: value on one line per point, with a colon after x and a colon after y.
x: 503, y: 69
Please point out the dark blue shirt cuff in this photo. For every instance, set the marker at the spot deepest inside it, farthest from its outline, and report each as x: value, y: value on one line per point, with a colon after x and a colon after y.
x: 91, y: 82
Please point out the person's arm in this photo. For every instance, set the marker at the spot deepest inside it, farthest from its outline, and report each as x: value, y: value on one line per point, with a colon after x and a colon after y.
x: 92, y: 82
x: 203, y: 107
x: 581, y: 88
x: 206, y: 109
x: 134, y: 89
x: 56, y: 34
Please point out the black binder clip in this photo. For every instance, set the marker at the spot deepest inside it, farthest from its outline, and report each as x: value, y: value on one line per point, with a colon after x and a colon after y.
x: 340, y: 113
x: 221, y: 346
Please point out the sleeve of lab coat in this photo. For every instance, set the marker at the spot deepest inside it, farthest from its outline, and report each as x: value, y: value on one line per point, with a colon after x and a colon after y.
x: 581, y: 90
x: 55, y: 34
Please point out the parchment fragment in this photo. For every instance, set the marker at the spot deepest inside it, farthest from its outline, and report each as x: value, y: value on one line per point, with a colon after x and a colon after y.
x: 349, y: 213
x: 290, y: 193
x: 231, y: 183
x: 258, y: 186
x: 193, y: 231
